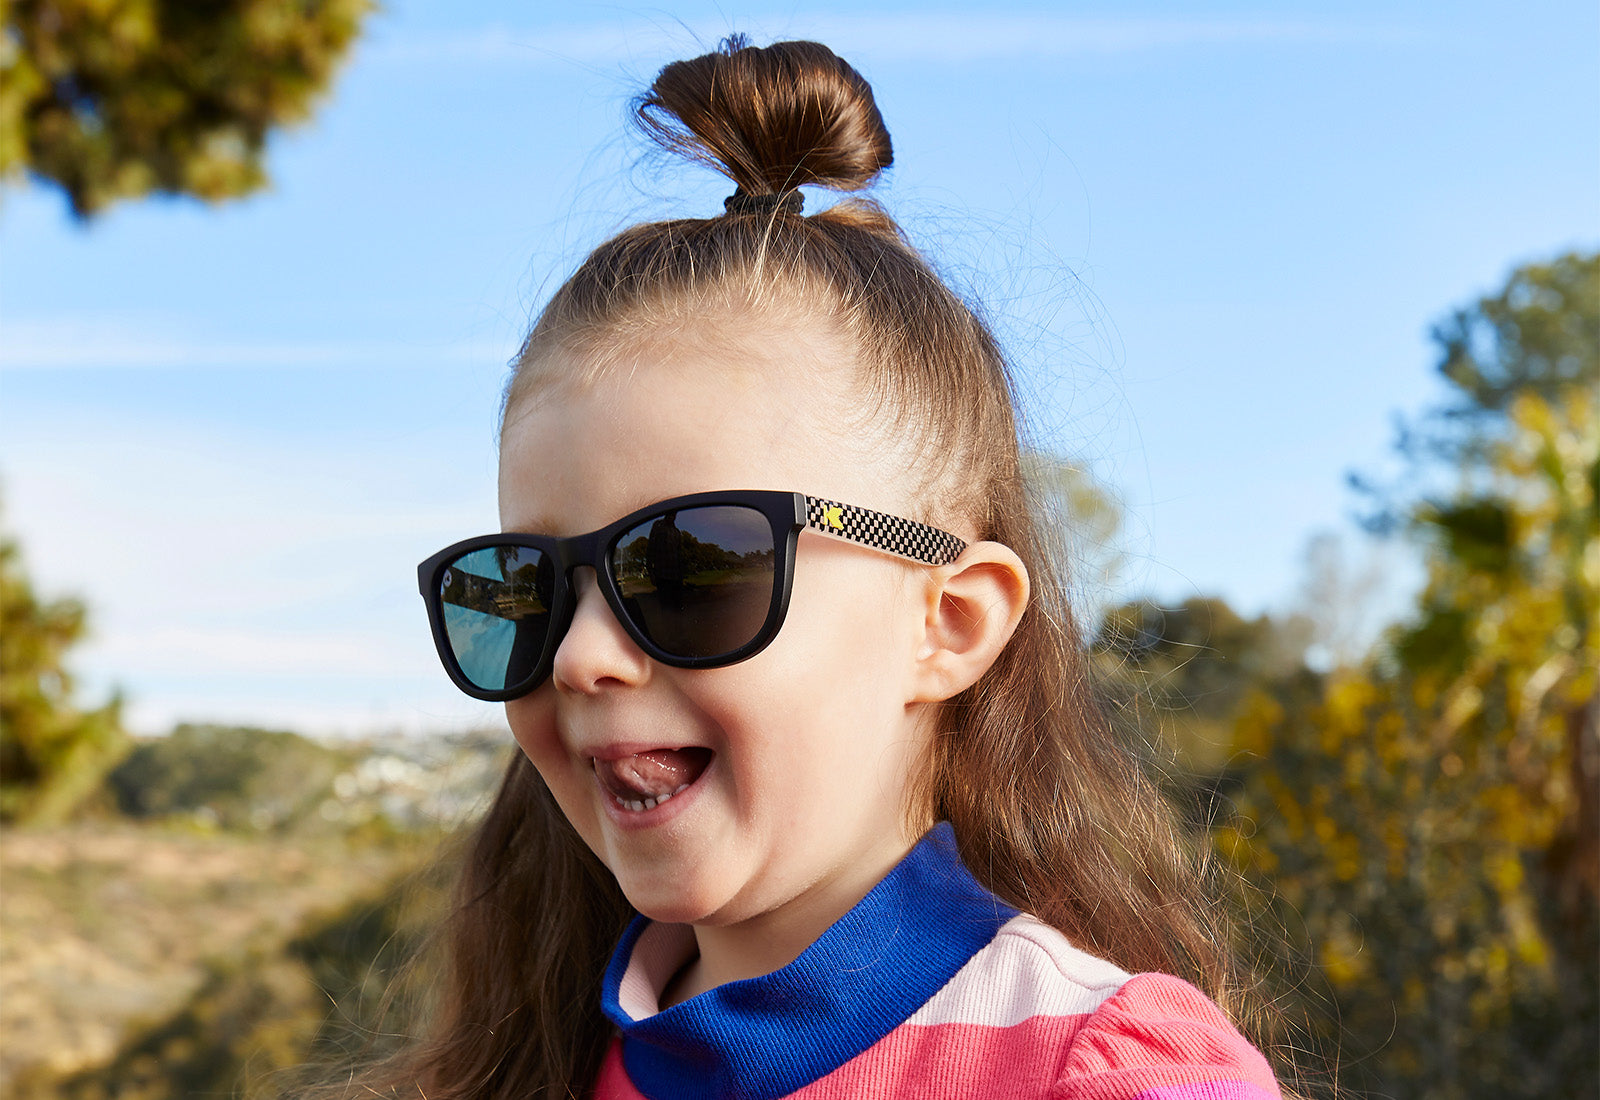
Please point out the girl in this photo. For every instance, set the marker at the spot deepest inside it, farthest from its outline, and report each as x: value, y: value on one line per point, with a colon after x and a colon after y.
x: 812, y: 798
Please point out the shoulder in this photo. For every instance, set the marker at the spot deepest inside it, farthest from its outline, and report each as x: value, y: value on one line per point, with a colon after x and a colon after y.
x: 1031, y: 1015
x: 1159, y: 1038
x: 1115, y: 1036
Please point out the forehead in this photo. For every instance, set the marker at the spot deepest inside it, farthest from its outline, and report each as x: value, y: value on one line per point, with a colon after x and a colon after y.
x: 690, y: 410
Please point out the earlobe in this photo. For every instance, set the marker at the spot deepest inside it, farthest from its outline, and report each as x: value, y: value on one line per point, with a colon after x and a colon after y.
x: 972, y: 609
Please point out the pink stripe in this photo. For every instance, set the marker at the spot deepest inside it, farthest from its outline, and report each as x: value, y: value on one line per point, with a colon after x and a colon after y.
x: 1208, y: 1090
x: 1160, y: 1032
x: 954, y: 1060
x: 613, y: 1083
x: 957, y: 1060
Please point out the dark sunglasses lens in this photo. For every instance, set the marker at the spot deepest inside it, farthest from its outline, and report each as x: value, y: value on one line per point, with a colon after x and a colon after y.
x: 698, y: 582
x: 496, y: 608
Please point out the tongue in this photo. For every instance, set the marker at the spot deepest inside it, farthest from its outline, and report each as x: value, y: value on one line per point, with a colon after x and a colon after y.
x: 654, y: 773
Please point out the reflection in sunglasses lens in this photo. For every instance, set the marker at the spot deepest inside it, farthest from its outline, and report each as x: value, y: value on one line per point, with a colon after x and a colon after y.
x: 497, y: 613
x: 698, y: 582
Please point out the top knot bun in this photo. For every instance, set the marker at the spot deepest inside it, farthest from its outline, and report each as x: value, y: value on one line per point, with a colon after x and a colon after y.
x: 770, y: 118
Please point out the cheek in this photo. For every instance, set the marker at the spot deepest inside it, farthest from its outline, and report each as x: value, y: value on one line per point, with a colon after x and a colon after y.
x: 533, y: 725
x: 532, y: 721
x: 855, y: 621
x: 835, y: 682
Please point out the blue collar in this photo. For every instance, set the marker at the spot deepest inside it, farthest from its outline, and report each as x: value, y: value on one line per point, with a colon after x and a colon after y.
x: 766, y: 1037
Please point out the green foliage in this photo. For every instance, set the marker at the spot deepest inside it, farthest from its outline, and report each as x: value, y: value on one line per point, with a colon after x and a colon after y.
x: 1433, y: 818
x: 1189, y: 670
x: 234, y: 776
x: 114, y: 99
x: 1538, y: 337
x: 53, y: 754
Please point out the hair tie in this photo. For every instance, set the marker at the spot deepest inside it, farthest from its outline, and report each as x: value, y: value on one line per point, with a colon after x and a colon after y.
x: 742, y: 202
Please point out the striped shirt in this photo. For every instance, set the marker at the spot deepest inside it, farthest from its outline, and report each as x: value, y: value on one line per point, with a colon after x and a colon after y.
x: 931, y: 988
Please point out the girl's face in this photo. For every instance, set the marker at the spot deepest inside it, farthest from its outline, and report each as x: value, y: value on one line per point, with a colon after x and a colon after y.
x: 807, y: 747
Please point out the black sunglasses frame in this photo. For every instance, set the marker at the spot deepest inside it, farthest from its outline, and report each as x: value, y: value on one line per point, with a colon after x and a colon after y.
x: 788, y: 513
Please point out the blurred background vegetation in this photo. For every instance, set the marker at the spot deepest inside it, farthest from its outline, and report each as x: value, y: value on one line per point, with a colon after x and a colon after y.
x: 1425, y: 816
x: 116, y: 100
x: 1419, y: 818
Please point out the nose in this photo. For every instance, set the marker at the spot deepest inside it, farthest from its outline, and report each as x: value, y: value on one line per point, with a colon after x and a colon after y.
x: 596, y: 651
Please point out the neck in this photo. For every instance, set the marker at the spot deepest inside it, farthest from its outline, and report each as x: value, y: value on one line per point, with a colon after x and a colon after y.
x: 772, y: 940
x: 864, y: 976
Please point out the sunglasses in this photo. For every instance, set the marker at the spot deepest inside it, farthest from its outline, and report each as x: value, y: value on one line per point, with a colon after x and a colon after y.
x: 697, y: 581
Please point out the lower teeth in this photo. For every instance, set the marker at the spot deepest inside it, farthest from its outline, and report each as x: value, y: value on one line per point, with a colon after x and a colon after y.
x: 641, y: 805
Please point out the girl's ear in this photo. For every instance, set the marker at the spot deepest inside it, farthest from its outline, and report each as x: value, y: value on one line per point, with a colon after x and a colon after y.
x: 972, y: 608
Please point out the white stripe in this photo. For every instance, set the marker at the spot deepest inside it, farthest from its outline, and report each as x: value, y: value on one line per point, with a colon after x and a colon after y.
x: 1029, y: 969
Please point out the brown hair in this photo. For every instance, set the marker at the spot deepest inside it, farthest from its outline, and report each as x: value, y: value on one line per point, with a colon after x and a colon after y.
x: 1052, y: 811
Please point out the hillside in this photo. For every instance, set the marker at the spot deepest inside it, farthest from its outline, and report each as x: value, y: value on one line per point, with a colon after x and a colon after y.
x: 114, y: 931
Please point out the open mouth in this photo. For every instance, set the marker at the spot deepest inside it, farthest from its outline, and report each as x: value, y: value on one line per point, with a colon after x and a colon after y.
x: 644, y: 780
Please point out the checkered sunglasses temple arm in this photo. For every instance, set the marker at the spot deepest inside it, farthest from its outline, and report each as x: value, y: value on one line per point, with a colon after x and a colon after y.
x: 903, y: 538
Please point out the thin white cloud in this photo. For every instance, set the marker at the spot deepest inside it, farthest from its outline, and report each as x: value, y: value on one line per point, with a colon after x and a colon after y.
x: 229, y: 579
x: 326, y: 717
x: 260, y: 654
x: 100, y: 343
x: 932, y: 37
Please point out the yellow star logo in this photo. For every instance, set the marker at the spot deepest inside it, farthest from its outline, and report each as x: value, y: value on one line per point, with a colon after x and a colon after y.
x: 832, y: 516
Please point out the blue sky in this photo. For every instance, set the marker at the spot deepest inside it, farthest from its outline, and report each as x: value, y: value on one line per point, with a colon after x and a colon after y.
x: 1213, y: 236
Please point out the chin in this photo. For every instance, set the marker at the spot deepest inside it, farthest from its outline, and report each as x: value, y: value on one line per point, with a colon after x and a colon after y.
x: 670, y: 901
x: 668, y: 907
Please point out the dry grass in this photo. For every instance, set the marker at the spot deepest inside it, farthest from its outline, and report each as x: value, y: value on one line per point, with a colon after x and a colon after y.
x: 106, y: 928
